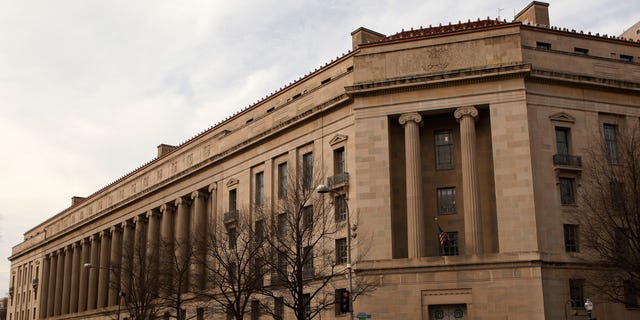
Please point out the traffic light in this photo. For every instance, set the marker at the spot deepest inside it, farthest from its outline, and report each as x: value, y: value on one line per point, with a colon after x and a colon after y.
x: 345, y: 300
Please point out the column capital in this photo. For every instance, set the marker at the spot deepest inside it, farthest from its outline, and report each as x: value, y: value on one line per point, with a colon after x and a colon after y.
x: 152, y: 213
x: 74, y: 245
x: 167, y: 207
x: 83, y: 242
x: 182, y: 200
x: 105, y: 233
x: 62, y: 250
x: 198, y: 194
x: 213, y: 187
x: 116, y: 228
x: 466, y: 111
x: 139, y: 219
x: 411, y: 116
x: 94, y: 237
x: 126, y: 224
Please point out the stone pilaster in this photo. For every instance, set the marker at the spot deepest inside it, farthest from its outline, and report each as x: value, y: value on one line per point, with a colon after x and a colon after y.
x: 92, y: 294
x: 415, y: 218
x: 199, y: 238
x: 66, y: 282
x: 57, y: 307
x: 76, y: 268
x: 140, y: 246
x: 115, y: 261
x: 83, y: 288
x: 472, y: 218
x: 105, y: 268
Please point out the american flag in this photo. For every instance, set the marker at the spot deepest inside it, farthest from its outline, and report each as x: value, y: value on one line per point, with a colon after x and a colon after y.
x: 442, y: 236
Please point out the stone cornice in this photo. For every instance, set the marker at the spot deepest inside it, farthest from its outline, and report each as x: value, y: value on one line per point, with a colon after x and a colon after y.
x: 438, y: 79
x: 542, y: 75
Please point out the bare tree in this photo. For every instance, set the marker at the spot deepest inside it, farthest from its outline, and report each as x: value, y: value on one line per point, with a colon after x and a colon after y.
x: 235, y: 264
x: 609, y: 213
x: 137, y: 286
x: 300, y: 247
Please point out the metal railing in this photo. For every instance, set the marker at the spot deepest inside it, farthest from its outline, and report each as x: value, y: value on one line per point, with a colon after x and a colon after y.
x: 567, y: 160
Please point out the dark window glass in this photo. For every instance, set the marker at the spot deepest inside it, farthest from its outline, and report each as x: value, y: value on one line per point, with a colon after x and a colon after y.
x: 341, y: 208
x: 543, y: 45
x: 233, y: 237
x: 446, y: 200
x: 282, y: 266
x: 278, y: 308
x: 338, y: 161
x: 567, y: 192
x: 259, y: 188
x: 571, y: 238
x: 307, y: 217
x: 576, y: 292
x: 631, y: 294
x: 341, y: 250
x: 307, y: 267
x: 255, y: 310
x: 233, y: 199
x: 259, y: 230
x: 282, y: 180
x: 562, y: 140
x: 307, y: 170
x: 282, y: 225
x: 450, y: 248
x: 306, y: 300
x: 610, y: 132
x: 444, y: 149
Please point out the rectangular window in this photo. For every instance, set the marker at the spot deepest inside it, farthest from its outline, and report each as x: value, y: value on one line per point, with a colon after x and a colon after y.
x: 610, y: 132
x: 340, y: 204
x: 631, y: 294
x: 567, y: 191
x: 282, y: 180
x: 233, y: 237
x: 338, y: 161
x: 255, y: 310
x: 562, y: 140
x: 341, y: 251
x: 576, y: 293
x: 450, y: 248
x: 307, y: 266
x: 446, y: 200
x: 307, y: 218
x: 543, y: 45
x: 259, y: 231
x: 259, y: 197
x: 200, y: 313
x: 233, y: 199
x: 278, y: 308
x: 307, y: 171
x: 306, y: 300
x: 282, y: 266
x: 282, y: 226
x: 258, y: 272
x: 581, y: 50
x: 444, y: 149
x: 571, y: 238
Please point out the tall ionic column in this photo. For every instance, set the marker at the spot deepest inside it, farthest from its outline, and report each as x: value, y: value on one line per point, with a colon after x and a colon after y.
x: 182, y: 236
x: 92, y: 294
x: 153, y: 246
x: 66, y: 282
x: 212, y: 221
x: 76, y: 268
x: 83, y: 287
x: 44, y: 287
x: 59, y: 282
x: 199, y: 238
x: 105, y: 268
x: 415, y: 219
x: 472, y: 219
x: 127, y: 256
x: 166, y: 241
x: 140, y: 246
x: 116, y: 260
x: 51, y: 294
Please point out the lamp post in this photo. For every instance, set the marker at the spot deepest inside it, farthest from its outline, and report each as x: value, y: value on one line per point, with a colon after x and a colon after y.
x: 322, y: 189
x: 121, y: 293
x: 588, y: 305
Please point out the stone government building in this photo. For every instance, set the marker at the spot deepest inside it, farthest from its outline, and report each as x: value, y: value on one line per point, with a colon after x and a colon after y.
x: 479, y: 124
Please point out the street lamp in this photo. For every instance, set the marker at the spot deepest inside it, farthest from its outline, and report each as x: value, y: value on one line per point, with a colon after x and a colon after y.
x: 588, y: 305
x: 121, y: 293
x: 322, y: 189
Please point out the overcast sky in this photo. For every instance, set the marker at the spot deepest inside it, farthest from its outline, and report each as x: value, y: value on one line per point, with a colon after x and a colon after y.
x: 88, y: 89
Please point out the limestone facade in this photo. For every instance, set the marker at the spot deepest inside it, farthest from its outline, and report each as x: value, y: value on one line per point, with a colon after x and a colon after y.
x: 450, y: 127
